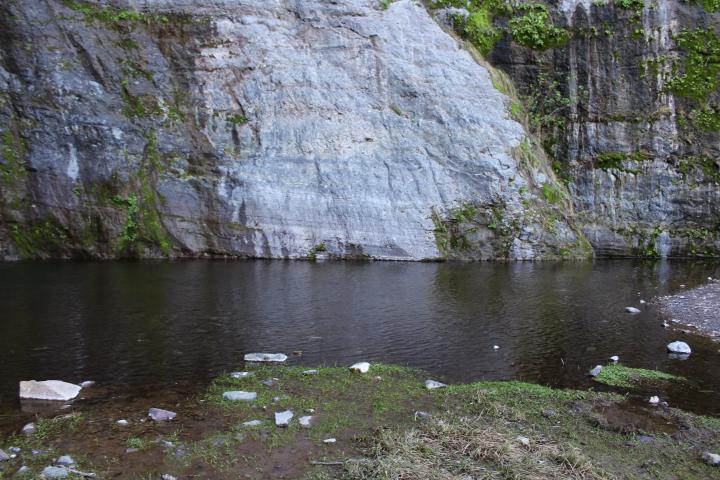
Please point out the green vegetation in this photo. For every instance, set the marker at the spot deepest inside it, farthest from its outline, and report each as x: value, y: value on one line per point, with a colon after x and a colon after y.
x: 385, y: 4
x: 478, y: 28
x: 47, y: 237
x: 535, y: 30
x: 610, y: 160
x: 699, y: 165
x: 237, y: 119
x: 626, y: 377
x: 113, y: 16
x: 12, y: 151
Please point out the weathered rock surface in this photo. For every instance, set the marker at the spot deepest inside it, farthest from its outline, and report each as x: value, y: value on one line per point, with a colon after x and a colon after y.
x: 55, y: 390
x: 262, y: 129
x: 55, y: 472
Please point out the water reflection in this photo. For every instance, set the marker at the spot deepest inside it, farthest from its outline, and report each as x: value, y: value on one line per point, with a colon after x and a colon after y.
x: 133, y: 325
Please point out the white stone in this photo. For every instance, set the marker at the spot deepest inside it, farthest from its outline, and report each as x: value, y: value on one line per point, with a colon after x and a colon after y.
x: 282, y: 419
x: 642, y: 302
x: 595, y: 371
x: 4, y: 457
x: 654, y: 400
x: 123, y: 422
x: 241, y: 374
x: 496, y: 347
x: 523, y: 440
x: 361, y: 367
x: 632, y: 310
x: 329, y: 440
x: 432, y: 384
x: 679, y: 347
x: 239, y: 395
x: 160, y: 415
x: 54, y: 390
x: 55, y: 472
x: 711, y: 459
x: 87, y: 383
x: 265, y: 357
x: 305, y: 421
x: 168, y: 477
x: 614, y: 359
x: 310, y: 372
x: 65, y: 460
x: 28, y: 428
x: 252, y: 423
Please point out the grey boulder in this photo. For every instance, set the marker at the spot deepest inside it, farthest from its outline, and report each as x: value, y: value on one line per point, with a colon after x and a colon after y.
x: 54, y: 390
x: 679, y: 347
x: 433, y: 384
x: 160, y: 415
x: 282, y: 419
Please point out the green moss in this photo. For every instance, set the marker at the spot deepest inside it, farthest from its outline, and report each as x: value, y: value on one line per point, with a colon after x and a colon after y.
x: 39, y: 239
x: 698, y: 76
x: 479, y: 29
x: 113, y: 16
x: 620, y: 376
x: 551, y: 193
x: 12, y: 150
x: 706, y: 119
x: 610, y: 160
x: 535, y: 30
x: 237, y: 119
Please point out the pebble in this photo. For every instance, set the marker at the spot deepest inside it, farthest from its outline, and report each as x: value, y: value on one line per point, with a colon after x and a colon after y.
x: 28, y: 428
x: 305, y: 421
x: 422, y: 415
x: 549, y: 413
x: 55, y: 472
x: 87, y: 383
x: 252, y: 423
x: 329, y: 440
x: 523, y: 440
x: 160, y: 415
x: 65, y: 460
x: 595, y: 371
x: 168, y: 477
x: 361, y: 367
x: 122, y: 422
x: 310, y: 372
x: 269, y: 382
x: 496, y: 347
x: 282, y: 419
x: 711, y: 459
x: 632, y: 310
x: 241, y: 374
x: 432, y: 384
x: 614, y: 359
x: 642, y: 302
x: 4, y: 457
x: 132, y: 450
x: 310, y: 410
x: 22, y: 470
x: 679, y: 347
x: 14, y: 450
x: 654, y: 400
x: 240, y: 396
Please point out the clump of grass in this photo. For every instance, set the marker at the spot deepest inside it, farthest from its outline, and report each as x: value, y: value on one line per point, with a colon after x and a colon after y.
x: 621, y: 376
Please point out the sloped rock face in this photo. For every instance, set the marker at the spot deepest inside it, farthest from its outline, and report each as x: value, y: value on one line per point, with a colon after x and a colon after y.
x: 261, y: 129
x: 640, y: 151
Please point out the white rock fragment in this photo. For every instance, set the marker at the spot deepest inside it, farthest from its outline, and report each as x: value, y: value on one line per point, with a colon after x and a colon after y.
x: 265, y: 357
x: 523, y: 440
x: 329, y: 440
x: 239, y: 375
x: 654, y: 400
x: 310, y: 372
x: 54, y: 390
x: 632, y: 310
x: 614, y: 359
x: 4, y: 457
x: 432, y: 384
x: 160, y: 415
x: 87, y: 383
x: 65, y: 460
x: 595, y: 371
x: 642, y: 302
x: 167, y: 476
x: 305, y: 421
x: 240, y: 396
x: 122, y: 422
x: 496, y: 347
x: 252, y: 423
x: 679, y: 347
x: 28, y: 428
x: 282, y: 419
x: 361, y: 367
x: 711, y: 459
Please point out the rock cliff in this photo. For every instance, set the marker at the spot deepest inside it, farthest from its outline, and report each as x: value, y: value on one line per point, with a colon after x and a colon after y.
x: 255, y: 128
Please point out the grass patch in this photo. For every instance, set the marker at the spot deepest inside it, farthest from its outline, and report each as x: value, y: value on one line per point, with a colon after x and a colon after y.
x: 620, y: 376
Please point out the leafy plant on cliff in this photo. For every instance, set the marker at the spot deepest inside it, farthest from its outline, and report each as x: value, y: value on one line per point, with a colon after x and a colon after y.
x: 480, y: 31
x: 535, y: 30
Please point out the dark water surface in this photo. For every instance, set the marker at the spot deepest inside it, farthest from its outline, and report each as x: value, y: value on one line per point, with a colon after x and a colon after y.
x: 172, y: 325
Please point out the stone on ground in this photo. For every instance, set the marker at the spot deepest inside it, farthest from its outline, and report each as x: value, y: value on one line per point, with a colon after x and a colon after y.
x: 433, y: 384
x: 654, y: 400
x: 55, y: 472
x: 265, y: 357
x: 595, y: 371
x: 523, y: 440
x: 632, y: 310
x: 361, y: 367
x: 614, y: 359
x: 252, y: 423
x: 160, y: 415
x: 711, y: 459
x: 329, y: 440
x: 65, y: 460
x: 54, y: 390
x: 122, y: 422
x: 239, y: 395
x: 28, y: 428
x: 305, y: 421
x: 87, y: 383
x: 4, y: 457
x: 310, y: 372
x: 282, y: 419
x: 241, y: 374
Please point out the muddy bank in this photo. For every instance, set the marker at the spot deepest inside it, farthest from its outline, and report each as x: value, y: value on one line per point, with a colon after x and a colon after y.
x: 698, y: 308
x: 381, y: 424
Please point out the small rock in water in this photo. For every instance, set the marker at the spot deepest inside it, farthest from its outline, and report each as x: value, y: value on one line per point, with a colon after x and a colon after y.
x: 49, y: 390
x: 666, y: 325
x: 123, y: 422
x: 523, y: 440
x: 65, y: 460
x: 160, y: 415
x: 329, y: 440
x: 679, y: 347
x: 642, y: 302
x: 87, y: 383
x: 55, y: 472
x: 282, y: 419
x: 711, y: 459
x: 305, y: 421
x: 595, y: 371
x: 241, y: 374
x: 361, y: 367
x: 632, y: 310
x: 265, y: 357
x: 4, y: 457
x: 432, y: 384
x: 239, y: 395
x: 252, y: 423
x: 14, y: 450
x: 28, y: 428
x: 654, y: 400
x: 614, y: 359
x: 310, y: 372
x: 496, y: 347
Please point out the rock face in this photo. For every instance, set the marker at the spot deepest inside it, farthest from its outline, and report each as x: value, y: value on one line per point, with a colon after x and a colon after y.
x: 49, y: 390
x: 262, y: 129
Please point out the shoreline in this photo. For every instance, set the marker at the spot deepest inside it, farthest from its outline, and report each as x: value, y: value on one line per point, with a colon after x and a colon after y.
x: 697, y: 307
